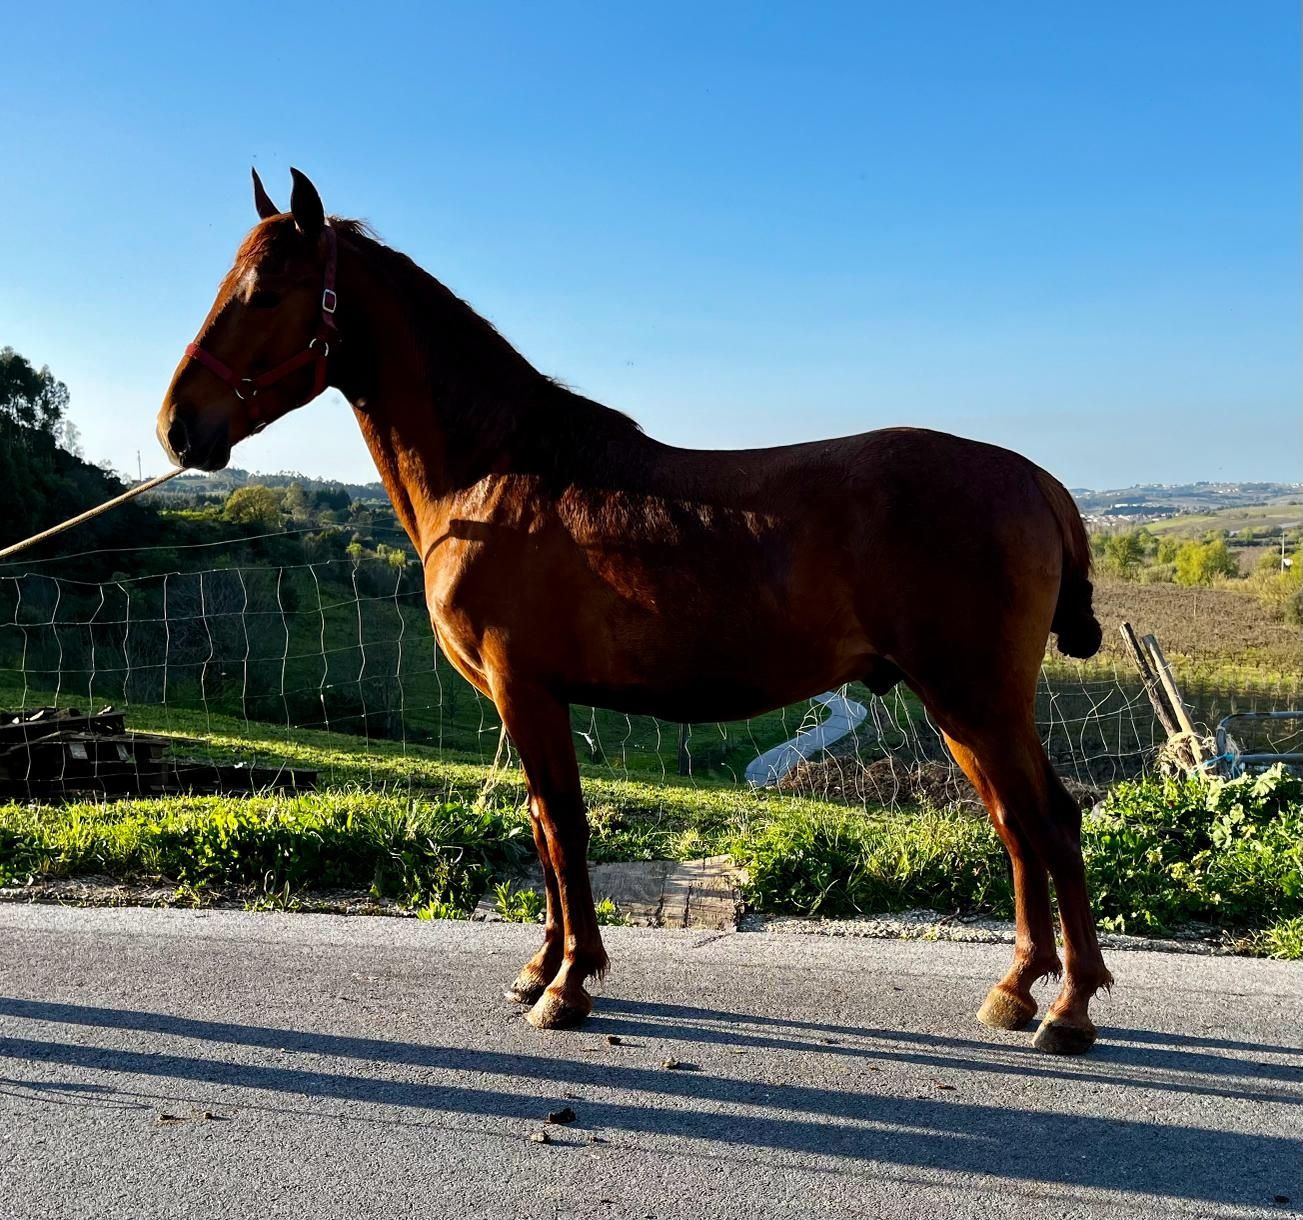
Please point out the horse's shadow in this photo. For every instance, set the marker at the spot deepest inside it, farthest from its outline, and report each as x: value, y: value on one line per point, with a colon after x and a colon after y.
x: 746, y: 1110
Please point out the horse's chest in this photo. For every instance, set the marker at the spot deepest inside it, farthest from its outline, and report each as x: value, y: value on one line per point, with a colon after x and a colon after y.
x: 459, y: 630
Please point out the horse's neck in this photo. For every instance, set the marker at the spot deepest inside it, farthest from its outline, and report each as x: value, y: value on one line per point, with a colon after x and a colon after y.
x: 443, y: 400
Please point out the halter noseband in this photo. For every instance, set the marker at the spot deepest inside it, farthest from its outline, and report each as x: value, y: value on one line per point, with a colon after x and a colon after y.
x: 318, y: 349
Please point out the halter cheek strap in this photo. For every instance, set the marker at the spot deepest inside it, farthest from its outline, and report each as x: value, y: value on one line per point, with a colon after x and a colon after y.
x: 318, y: 351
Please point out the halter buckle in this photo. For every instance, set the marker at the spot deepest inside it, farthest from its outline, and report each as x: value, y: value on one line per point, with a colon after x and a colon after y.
x: 240, y: 391
x: 328, y: 300
x: 325, y: 346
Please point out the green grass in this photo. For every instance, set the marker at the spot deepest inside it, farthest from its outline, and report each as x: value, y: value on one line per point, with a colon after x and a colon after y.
x: 840, y: 861
x: 387, y: 818
x: 635, y: 816
x: 1283, y: 940
x: 413, y: 851
x: 435, y: 833
x: 416, y: 697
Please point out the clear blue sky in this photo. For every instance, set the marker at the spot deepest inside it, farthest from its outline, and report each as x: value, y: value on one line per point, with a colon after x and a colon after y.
x: 1067, y: 228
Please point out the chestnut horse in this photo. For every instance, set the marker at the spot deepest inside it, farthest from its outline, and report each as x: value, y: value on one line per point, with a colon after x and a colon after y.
x: 569, y: 558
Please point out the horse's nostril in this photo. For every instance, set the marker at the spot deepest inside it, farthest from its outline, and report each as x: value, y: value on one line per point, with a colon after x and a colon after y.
x: 178, y: 439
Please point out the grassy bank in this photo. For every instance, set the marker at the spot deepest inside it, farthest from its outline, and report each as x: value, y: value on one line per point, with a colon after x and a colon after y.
x: 436, y: 833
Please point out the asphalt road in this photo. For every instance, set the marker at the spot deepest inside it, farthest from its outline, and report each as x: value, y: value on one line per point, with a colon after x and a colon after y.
x: 170, y: 1064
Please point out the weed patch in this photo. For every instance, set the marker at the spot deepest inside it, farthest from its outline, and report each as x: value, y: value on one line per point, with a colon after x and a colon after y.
x: 1163, y: 852
x: 411, y: 850
x: 1160, y: 855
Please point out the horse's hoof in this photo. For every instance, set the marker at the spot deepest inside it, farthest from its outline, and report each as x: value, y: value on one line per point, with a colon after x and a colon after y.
x: 526, y: 989
x: 556, y: 1010
x: 1056, y: 1038
x: 519, y: 993
x: 1004, y: 1010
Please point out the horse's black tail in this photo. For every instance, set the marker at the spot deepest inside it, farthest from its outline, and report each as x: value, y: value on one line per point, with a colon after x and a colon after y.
x: 1074, y: 622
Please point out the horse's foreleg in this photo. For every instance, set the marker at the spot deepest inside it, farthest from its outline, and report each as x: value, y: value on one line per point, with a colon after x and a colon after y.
x: 540, y: 729
x: 536, y: 973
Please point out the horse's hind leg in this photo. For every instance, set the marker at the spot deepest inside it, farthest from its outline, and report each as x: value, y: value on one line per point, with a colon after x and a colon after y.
x: 1046, y: 822
x: 1009, y: 1004
x: 536, y: 973
x: 1067, y: 1028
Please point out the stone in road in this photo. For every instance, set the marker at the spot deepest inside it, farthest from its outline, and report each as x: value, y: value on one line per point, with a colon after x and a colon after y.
x: 176, y: 1064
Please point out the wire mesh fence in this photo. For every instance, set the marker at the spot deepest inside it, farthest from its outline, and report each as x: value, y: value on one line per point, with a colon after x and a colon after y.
x: 344, y: 646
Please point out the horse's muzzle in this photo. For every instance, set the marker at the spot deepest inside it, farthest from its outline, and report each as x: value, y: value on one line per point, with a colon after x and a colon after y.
x: 191, y: 445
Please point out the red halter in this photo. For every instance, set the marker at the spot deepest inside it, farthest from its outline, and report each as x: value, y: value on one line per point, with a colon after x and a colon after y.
x: 318, y: 349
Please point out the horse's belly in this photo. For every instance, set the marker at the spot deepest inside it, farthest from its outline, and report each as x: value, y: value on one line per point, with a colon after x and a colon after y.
x: 728, y: 677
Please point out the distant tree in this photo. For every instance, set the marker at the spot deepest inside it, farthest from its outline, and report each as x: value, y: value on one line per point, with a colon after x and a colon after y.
x: 253, y: 505
x: 296, y: 503
x: 394, y: 556
x: 69, y: 438
x: 1200, y: 563
x: 1124, y: 553
x: 30, y: 397
x: 327, y: 545
x: 331, y: 499
x: 1280, y: 589
x: 45, y: 478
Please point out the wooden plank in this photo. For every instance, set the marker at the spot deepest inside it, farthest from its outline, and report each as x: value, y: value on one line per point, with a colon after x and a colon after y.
x: 21, y: 728
x: 61, y: 753
x: 1164, y: 672
x: 1153, y: 689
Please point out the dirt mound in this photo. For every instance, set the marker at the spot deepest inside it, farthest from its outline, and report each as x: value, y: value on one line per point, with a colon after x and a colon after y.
x: 891, y: 782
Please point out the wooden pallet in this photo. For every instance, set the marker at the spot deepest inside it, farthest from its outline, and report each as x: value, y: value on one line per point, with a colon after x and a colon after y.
x: 62, y: 753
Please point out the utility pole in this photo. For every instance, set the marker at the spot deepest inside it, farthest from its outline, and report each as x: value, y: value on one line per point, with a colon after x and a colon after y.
x: 140, y: 478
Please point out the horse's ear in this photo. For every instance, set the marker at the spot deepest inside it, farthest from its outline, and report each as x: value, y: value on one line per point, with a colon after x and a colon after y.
x: 305, y: 204
x: 261, y: 200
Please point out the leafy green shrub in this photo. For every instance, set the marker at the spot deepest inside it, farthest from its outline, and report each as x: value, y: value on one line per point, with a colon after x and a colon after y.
x: 1280, y: 591
x: 438, y: 909
x: 1163, y: 852
x: 610, y: 916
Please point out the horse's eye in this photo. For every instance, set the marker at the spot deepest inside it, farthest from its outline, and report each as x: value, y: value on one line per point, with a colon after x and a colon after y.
x: 262, y: 299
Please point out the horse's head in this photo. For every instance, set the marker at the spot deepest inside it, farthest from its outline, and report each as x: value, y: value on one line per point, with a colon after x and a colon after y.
x: 263, y: 349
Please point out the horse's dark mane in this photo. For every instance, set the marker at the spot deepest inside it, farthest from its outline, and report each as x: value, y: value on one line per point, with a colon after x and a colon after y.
x: 484, y: 385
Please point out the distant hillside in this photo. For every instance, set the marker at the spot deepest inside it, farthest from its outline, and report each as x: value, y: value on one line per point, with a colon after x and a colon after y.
x: 1136, y: 505
x: 199, y: 486
x: 1146, y: 502
x: 1139, y: 503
